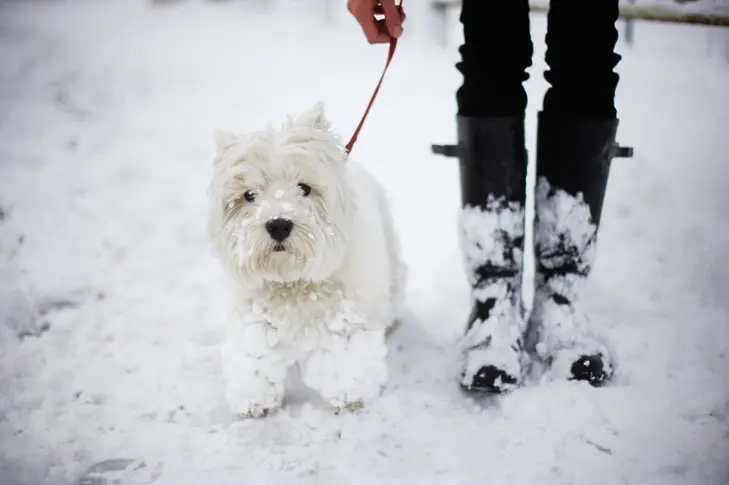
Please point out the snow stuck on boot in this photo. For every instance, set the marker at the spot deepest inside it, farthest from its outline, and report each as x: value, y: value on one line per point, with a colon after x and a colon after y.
x: 565, y: 239
x: 492, y: 243
x: 488, y: 235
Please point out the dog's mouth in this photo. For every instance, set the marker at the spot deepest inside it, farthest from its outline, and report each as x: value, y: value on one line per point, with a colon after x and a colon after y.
x: 279, y: 248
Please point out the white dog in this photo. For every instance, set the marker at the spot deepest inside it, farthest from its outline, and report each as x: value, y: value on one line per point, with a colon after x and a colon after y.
x: 307, y: 237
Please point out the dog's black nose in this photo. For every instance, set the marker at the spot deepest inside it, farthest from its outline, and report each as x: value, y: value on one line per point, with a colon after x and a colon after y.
x: 279, y: 229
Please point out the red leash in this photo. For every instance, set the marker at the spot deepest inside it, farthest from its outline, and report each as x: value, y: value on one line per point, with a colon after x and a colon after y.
x: 393, y: 45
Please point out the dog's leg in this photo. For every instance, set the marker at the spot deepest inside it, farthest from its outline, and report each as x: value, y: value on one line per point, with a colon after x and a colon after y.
x: 351, y: 372
x: 254, y: 370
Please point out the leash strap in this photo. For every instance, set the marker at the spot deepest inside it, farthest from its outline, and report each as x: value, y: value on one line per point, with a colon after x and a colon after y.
x: 391, y: 53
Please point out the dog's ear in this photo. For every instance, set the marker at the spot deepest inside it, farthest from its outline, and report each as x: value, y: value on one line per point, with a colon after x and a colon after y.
x: 314, y: 118
x: 224, y: 140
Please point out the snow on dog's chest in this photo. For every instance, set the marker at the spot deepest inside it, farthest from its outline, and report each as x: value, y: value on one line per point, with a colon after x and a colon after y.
x: 307, y: 314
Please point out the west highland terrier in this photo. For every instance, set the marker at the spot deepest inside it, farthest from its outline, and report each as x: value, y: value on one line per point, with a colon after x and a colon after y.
x: 308, y: 241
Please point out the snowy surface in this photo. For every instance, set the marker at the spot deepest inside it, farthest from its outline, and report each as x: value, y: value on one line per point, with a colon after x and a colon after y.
x: 107, y: 111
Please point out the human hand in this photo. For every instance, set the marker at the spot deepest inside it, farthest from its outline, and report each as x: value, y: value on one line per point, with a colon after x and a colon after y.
x: 378, y: 31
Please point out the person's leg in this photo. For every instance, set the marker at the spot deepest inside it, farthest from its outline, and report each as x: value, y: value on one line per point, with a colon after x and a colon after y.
x: 575, y: 146
x: 581, y: 59
x: 495, y: 55
x: 493, y: 163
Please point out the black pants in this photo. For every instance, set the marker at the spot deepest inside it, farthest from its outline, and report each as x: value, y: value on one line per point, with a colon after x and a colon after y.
x: 581, y: 38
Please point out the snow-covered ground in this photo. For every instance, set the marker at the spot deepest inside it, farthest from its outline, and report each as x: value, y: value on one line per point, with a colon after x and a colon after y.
x: 106, y: 117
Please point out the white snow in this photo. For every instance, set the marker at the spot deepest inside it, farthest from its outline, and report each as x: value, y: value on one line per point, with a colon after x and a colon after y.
x: 492, y: 341
x: 487, y: 234
x: 107, y: 112
x: 565, y: 222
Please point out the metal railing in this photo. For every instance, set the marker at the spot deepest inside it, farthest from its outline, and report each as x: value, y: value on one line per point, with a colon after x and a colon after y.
x: 675, y: 11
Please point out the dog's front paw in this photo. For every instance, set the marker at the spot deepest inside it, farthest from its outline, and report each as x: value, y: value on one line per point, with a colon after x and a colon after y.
x: 256, y: 400
x: 351, y: 373
x: 250, y: 409
x: 254, y: 372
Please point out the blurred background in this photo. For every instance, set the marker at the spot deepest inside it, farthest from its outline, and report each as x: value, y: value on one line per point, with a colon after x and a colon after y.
x: 112, y: 308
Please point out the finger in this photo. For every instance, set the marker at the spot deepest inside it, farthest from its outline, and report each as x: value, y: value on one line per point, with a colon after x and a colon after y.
x: 392, y: 17
x: 383, y: 35
x: 381, y: 11
x: 383, y: 31
x: 366, y: 20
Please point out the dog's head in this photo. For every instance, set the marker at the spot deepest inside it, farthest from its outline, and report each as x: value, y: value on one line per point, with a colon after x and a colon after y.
x: 280, y: 202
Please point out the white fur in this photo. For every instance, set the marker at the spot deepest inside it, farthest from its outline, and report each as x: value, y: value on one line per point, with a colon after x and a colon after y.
x: 327, y: 299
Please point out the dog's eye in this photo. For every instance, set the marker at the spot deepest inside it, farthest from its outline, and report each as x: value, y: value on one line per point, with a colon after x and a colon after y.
x: 305, y: 189
x: 249, y: 195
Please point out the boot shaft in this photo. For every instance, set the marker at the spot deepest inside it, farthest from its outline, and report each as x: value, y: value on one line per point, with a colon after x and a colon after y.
x: 493, y: 164
x: 574, y: 156
x: 493, y: 160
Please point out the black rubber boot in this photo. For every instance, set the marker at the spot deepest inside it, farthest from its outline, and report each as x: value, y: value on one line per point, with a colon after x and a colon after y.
x: 493, y: 165
x: 573, y: 163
